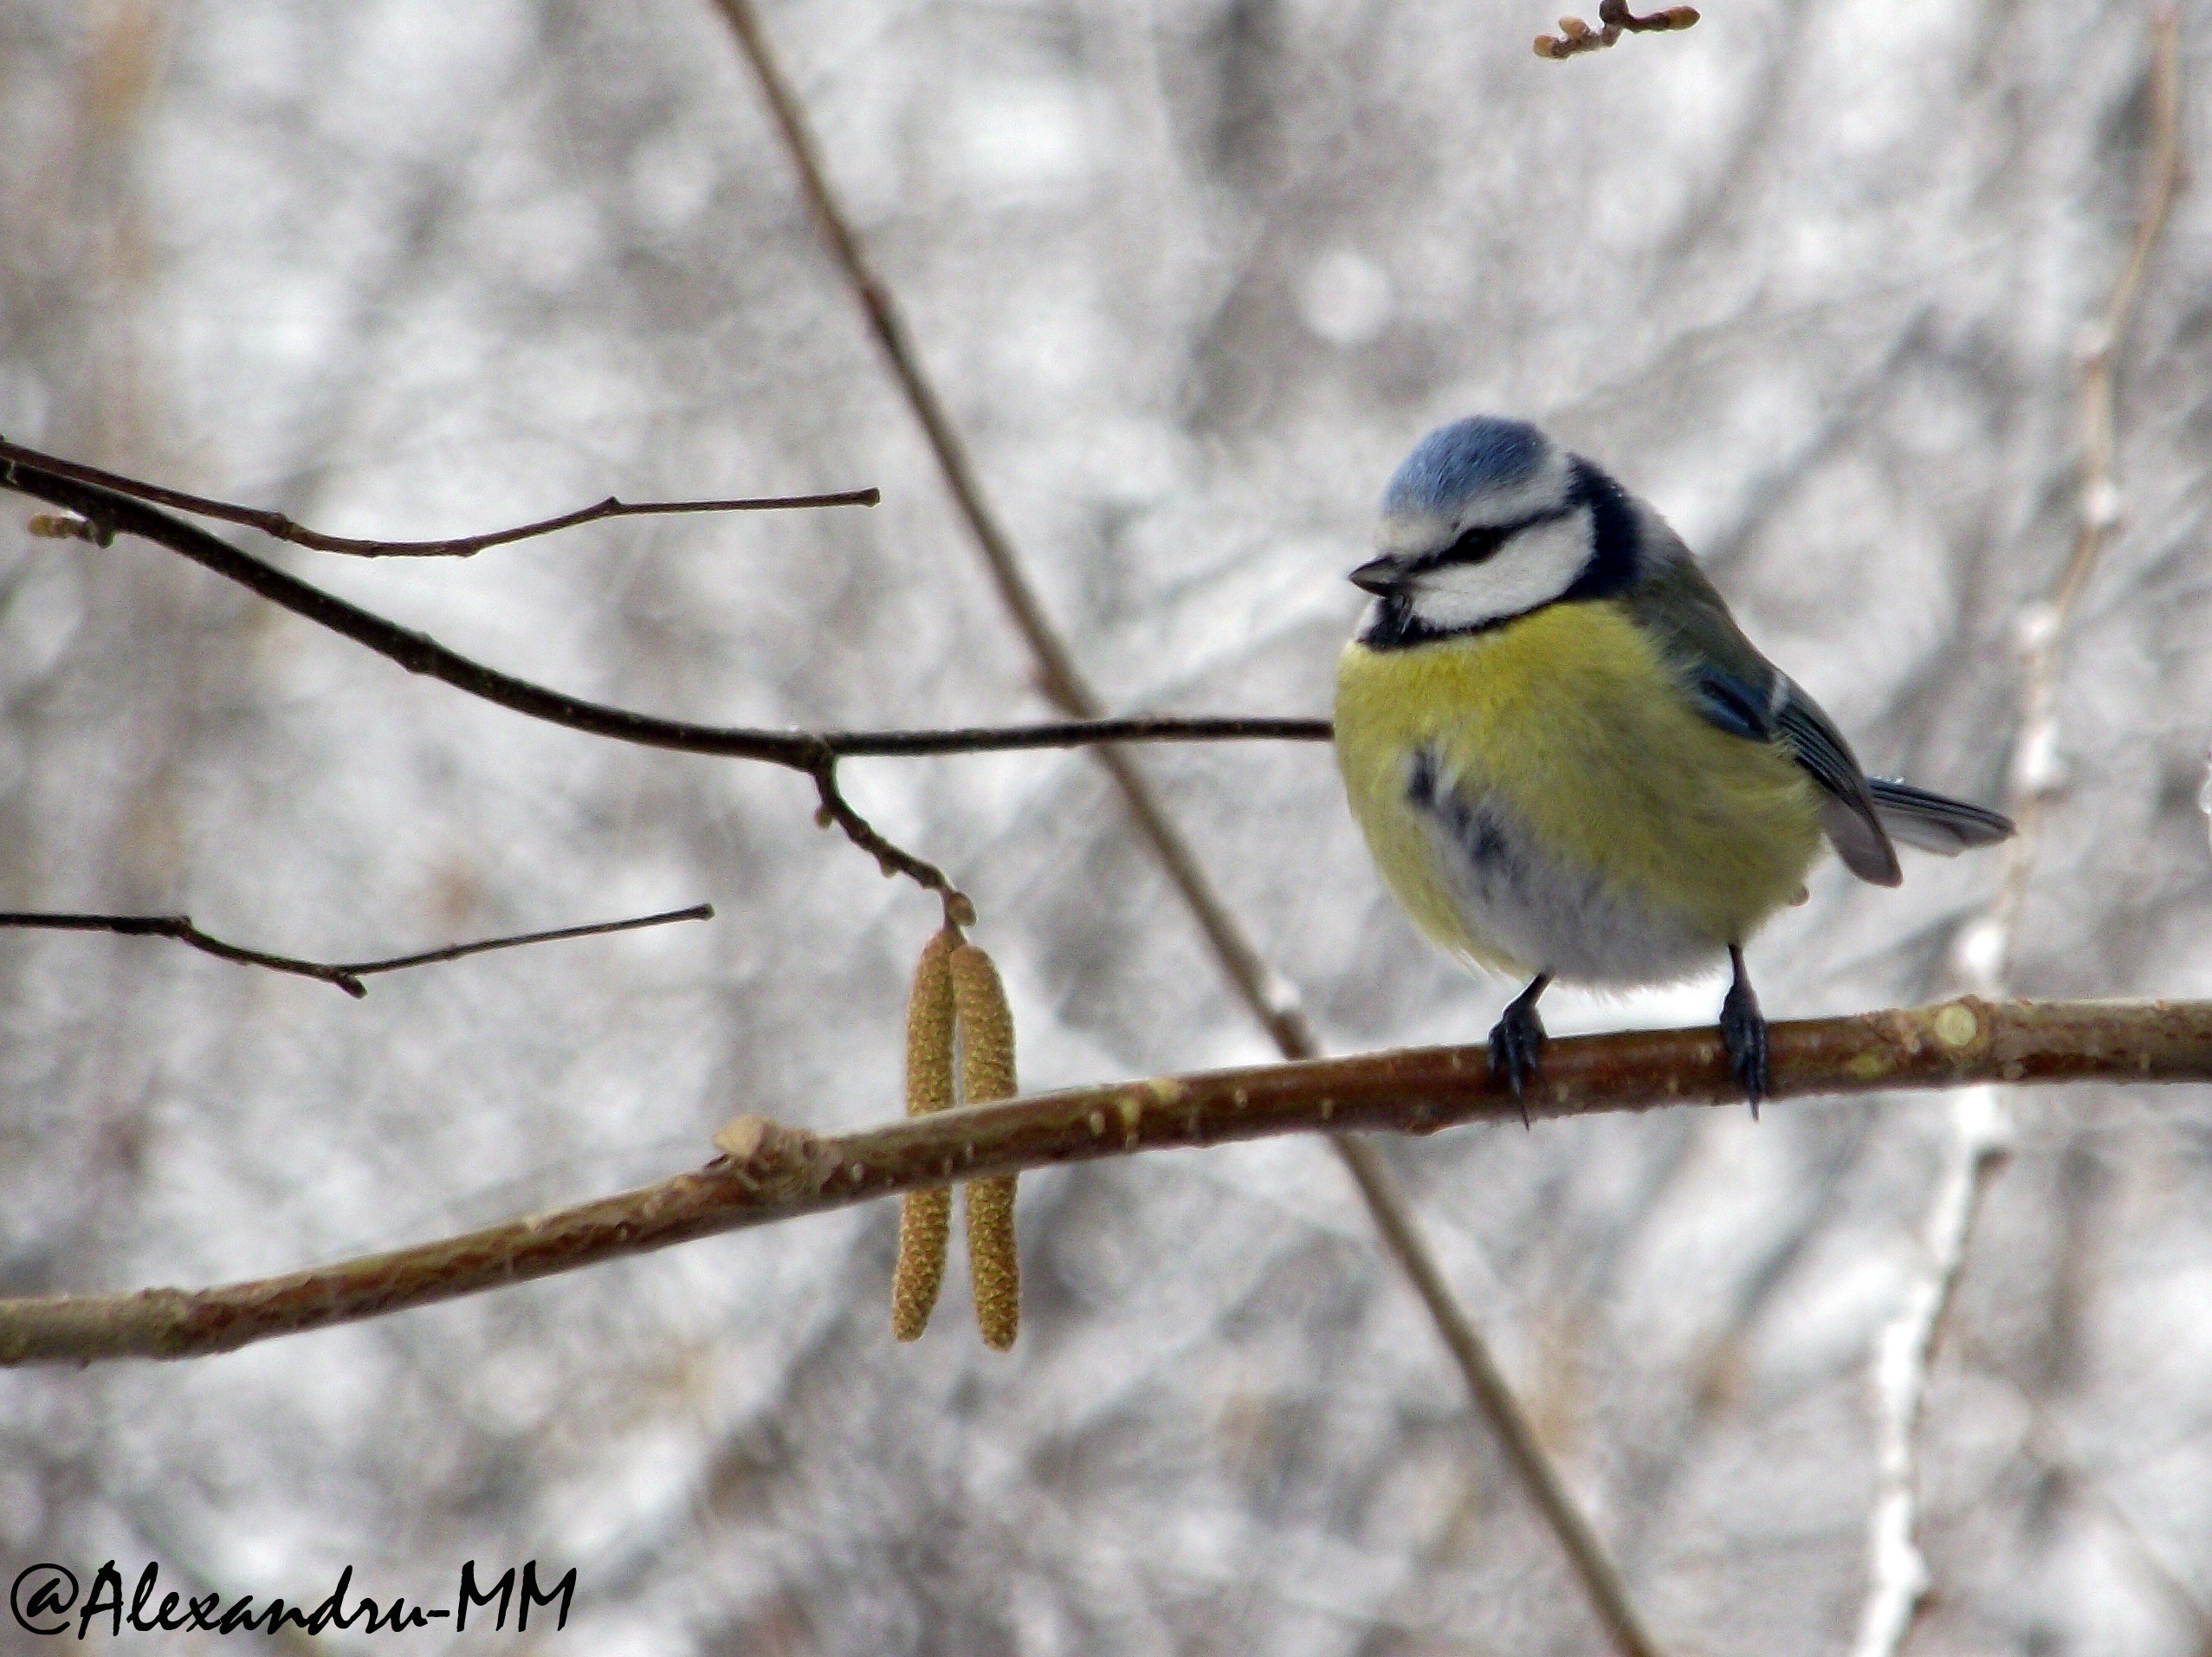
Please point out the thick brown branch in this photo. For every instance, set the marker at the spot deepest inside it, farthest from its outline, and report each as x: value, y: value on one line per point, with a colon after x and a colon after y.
x: 347, y: 975
x: 282, y: 528
x: 771, y: 1172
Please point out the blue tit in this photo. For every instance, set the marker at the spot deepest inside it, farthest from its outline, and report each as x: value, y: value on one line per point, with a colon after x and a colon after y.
x: 1568, y: 761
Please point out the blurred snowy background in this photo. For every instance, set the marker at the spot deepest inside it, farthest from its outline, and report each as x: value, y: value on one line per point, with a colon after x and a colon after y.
x: 1193, y: 275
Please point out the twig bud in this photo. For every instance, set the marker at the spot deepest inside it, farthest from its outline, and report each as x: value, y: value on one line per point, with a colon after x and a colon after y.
x: 1576, y: 36
x: 987, y: 1043
x: 68, y: 526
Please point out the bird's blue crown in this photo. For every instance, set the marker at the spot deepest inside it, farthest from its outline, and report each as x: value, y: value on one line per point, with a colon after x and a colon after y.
x: 1469, y: 457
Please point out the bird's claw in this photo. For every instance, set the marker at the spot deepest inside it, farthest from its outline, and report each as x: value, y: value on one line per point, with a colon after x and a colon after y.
x: 1744, y: 1033
x: 1513, y: 1046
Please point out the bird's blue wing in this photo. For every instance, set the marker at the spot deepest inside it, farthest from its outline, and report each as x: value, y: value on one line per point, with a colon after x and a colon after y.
x: 1727, y: 702
x: 1740, y: 691
x: 1779, y: 709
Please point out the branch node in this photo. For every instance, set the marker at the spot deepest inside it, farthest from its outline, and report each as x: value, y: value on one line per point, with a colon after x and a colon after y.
x: 772, y: 1159
x: 68, y: 526
x: 1615, y: 15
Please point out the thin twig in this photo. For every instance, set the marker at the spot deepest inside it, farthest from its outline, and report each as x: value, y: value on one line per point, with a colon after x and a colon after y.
x: 2038, y: 774
x: 347, y: 975
x: 1271, y: 998
x: 770, y: 1172
x: 836, y: 809
x: 277, y: 525
x: 1981, y: 1135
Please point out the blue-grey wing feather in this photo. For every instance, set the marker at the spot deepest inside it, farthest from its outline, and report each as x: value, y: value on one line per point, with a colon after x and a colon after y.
x: 1738, y: 689
x: 1935, y: 822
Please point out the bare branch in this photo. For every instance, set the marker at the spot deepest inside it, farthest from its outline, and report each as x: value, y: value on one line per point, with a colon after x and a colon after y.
x: 1089, y: 731
x: 1515, y: 1433
x: 773, y: 1173
x: 103, y: 511
x: 2037, y: 773
x: 597, y: 928
x: 1981, y: 1141
x: 347, y: 975
x: 277, y: 525
x: 1898, y: 1580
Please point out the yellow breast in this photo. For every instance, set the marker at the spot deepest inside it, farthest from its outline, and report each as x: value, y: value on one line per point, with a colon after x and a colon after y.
x: 1570, y: 723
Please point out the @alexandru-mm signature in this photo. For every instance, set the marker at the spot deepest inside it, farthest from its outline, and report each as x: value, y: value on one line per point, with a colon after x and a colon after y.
x: 45, y: 1595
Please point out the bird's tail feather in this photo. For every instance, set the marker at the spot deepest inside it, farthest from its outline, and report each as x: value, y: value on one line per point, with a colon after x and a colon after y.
x: 1935, y: 822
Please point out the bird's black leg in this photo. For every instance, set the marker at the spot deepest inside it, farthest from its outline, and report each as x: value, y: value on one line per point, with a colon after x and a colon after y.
x: 1744, y: 1033
x: 1514, y: 1041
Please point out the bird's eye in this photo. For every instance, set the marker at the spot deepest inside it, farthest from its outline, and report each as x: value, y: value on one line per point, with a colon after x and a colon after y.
x: 1477, y: 544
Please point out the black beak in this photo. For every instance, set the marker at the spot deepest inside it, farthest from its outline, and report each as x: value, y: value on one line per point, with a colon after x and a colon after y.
x: 1378, y: 576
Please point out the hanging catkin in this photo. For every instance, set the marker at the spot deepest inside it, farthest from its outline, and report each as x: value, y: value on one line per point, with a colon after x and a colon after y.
x: 986, y: 1044
x: 926, y: 1217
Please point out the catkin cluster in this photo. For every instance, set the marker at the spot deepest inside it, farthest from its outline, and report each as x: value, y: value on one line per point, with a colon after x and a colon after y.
x: 960, y: 1049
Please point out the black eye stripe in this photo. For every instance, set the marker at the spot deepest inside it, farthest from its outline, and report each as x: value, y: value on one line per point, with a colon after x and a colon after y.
x: 1480, y: 544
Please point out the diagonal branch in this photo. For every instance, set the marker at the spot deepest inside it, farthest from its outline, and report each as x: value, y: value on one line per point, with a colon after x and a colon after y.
x: 1271, y: 998
x: 770, y: 1172
x: 347, y: 975
x: 283, y: 528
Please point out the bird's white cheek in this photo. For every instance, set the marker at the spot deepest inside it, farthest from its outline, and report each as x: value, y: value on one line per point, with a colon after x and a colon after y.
x: 1533, y: 568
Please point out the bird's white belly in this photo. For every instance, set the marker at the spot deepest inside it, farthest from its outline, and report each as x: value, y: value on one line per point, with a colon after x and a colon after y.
x: 1551, y: 914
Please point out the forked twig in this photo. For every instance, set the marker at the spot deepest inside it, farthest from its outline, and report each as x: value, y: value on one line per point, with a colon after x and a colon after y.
x: 105, y: 513
x: 836, y: 809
